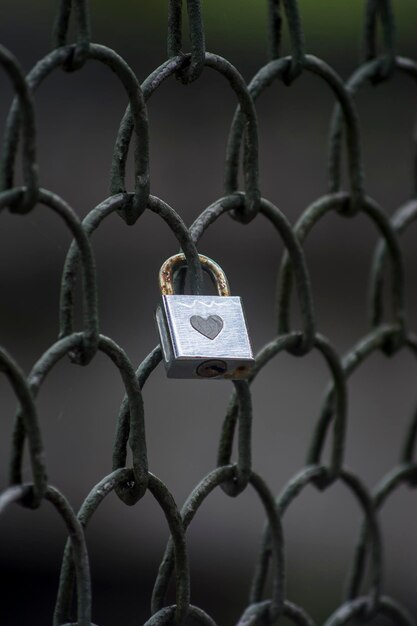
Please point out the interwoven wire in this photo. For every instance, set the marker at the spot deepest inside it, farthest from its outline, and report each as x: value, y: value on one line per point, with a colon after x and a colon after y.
x: 131, y: 482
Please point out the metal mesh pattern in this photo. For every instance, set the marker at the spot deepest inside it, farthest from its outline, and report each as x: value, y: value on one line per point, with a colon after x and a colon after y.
x: 131, y: 480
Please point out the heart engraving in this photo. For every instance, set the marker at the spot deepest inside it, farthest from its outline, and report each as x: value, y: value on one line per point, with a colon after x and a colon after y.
x: 210, y: 326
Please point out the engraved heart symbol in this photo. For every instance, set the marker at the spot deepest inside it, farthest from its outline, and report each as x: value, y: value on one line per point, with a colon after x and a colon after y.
x: 210, y: 326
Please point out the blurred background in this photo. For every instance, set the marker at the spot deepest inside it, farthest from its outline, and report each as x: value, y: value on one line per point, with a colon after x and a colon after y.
x: 78, y: 116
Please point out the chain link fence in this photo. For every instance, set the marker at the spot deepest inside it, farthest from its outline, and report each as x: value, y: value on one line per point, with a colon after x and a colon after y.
x: 130, y: 479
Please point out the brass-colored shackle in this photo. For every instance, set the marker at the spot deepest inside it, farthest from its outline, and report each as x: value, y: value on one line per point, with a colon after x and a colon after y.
x: 166, y: 274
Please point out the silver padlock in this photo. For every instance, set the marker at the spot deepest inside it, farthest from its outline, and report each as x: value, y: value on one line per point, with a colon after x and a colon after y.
x: 202, y: 336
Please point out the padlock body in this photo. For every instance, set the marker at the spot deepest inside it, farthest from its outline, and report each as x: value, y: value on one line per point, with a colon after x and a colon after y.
x: 204, y: 337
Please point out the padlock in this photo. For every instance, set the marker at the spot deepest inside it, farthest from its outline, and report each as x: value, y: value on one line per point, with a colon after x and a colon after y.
x: 202, y: 336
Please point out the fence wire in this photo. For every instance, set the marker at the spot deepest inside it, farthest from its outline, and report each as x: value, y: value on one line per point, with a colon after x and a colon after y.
x: 389, y: 332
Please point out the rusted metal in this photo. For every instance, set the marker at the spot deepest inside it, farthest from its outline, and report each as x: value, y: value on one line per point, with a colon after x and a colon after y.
x: 166, y: 274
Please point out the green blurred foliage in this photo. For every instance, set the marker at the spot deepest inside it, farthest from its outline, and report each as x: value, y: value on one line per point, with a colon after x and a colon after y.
x: 239, y: 25
x: 334, y: 22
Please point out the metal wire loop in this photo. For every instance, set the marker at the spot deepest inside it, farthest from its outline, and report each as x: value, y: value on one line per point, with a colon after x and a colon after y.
x: 278, y: 69
x: 400, y: 221
x: 92, y: 221
x: 215, y: 479
x: 21, y: 202
x: 132, y: 432
x: 87, y: 348
x: 366, y: 72
x: 380, y: 10
x: 312, y: 215
x: 80, y: 54
x: 166, y: 617
x: 62, y: 612
x: 316, y: 475
x: 296, y: 33
x: 365, y: 347
x: 258, y: 614
x: 21, y: 494
x: 160, y: 492
x: 31, y: 425
x: 245, y: 206
x: 191, y: 72
x: 359, y: 609
x: 136, y: 204
x: 390, y: 482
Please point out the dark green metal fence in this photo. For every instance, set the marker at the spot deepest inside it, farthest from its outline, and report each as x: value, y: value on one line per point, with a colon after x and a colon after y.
x: 388, y: 332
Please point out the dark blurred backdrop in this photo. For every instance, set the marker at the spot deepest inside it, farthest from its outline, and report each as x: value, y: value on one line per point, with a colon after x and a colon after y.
x: 78, y: 116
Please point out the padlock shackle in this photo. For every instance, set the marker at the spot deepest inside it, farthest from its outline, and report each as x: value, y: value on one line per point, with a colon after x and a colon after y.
x: 166, y: 274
